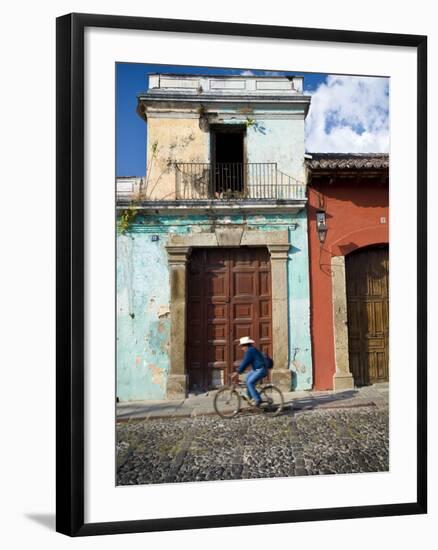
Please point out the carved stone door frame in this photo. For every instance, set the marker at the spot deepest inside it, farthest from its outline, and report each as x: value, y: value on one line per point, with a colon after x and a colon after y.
x: 178, y: 250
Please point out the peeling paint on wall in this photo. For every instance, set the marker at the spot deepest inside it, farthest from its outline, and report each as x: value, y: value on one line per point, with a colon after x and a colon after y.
x: 140, y: 264
x: 143, y: 289
x: 157, y: 374
x: 163, y: 312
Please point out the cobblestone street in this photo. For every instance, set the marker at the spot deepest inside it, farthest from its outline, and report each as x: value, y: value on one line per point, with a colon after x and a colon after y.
x: 253, y: 445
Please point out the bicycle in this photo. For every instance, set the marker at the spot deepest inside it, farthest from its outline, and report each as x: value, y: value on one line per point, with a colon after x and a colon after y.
x: 228, y: 399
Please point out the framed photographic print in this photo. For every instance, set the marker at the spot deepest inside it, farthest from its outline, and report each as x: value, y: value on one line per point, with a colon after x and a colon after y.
x: 241, y: 267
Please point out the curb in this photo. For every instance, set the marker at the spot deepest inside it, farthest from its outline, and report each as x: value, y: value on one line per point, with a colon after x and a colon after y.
x: 190, y: 414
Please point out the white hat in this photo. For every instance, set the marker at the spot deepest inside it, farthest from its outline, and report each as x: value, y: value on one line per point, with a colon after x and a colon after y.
x: 246, y: 340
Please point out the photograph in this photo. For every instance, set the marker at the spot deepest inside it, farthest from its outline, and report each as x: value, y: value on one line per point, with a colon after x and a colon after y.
x: 252, y: 273
x: 216, y: 253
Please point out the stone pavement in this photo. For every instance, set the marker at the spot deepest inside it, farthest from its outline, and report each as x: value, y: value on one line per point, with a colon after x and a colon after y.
x: 319, y: 433
x: 375, y: 395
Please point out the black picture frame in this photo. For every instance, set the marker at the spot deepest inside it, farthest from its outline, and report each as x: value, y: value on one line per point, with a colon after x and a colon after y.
x: 70, y: 273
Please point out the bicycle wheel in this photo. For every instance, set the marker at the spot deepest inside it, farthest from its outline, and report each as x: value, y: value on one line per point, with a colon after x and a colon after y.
x: 272, y: 400
x: 227, y: 402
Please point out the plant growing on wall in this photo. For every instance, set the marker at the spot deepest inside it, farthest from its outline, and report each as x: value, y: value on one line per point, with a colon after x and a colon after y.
x: 129, y: 214
x: 154, y: 149
x: 256, y: 126
x: 126, y: 218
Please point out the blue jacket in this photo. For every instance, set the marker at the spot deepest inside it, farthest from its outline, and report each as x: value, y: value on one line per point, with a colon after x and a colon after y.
x: 252, y: 357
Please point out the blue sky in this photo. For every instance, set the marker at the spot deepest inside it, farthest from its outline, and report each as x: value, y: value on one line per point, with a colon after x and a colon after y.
x: 347, y: 114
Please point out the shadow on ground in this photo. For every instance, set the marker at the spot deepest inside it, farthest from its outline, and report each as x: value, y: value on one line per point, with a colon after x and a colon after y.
x: 316, y: 401
x: 202, y: 405
x: 46, y: 520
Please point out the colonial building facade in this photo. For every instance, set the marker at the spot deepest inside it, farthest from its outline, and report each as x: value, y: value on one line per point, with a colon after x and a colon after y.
x: 349, y: 247
x: 213, y: 242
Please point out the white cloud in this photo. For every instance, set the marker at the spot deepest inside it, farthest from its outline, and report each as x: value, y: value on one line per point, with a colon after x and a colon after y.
x: 349, y: 114
x: 260, y: 73
x: 272, y: 73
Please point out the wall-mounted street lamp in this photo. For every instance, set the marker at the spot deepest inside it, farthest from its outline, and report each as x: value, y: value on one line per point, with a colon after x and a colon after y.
x: 321, y: 225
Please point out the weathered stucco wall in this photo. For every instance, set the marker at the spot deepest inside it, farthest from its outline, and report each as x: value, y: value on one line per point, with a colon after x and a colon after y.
x: 143, y: 322
x: 299, y: 306
x: 280, y: 141
x: 171, y: 140
x: 187, y: 139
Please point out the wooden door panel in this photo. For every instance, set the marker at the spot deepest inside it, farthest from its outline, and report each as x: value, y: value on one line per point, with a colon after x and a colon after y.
x: 367, y: 308
x: 217, y: 331
x: 244, y: 284
x: 243, y: 312
x: 371, y: 361
x: 264, y: 283
x: 217, y: 311
x: 264, y: 309
x: 265, y: 330
x: 382, y: 370
x: 217, y: 355
x: 376, y: 318
x: 216, y: 285
x: 241, y: 329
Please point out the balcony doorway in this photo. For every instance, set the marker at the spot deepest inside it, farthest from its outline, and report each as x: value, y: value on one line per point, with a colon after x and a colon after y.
x: 228, y: 161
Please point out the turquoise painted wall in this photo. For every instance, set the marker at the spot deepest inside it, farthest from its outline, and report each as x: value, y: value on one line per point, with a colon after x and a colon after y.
x: 143, y: 296
x: 300, y: 351
x: 278, y: 140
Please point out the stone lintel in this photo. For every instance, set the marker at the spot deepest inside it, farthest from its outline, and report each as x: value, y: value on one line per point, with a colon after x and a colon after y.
x: 191, y: 240
x: 229, y: 236
x: 277, y: 241
x: 252, y: 237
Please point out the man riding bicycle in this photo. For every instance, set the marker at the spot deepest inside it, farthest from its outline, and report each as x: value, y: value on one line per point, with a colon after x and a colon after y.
x: 255, y: 358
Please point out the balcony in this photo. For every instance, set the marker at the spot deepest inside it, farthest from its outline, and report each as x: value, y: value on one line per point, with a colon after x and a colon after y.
x: 235, y: 181
x: 217, y: 185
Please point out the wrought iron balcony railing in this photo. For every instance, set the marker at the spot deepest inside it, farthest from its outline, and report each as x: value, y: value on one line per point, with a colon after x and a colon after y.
x: 234, y: 180
x: 228, y: 181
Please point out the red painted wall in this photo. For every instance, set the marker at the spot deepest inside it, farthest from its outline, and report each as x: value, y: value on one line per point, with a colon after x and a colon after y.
x: 353, y: 212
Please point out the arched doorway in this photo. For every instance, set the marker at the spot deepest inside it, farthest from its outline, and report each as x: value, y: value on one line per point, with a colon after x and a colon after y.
x: 366, y: 272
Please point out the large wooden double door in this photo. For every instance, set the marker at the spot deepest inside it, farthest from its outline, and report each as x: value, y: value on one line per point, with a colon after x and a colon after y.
x: 368, y: 323
x: 229, y: 296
